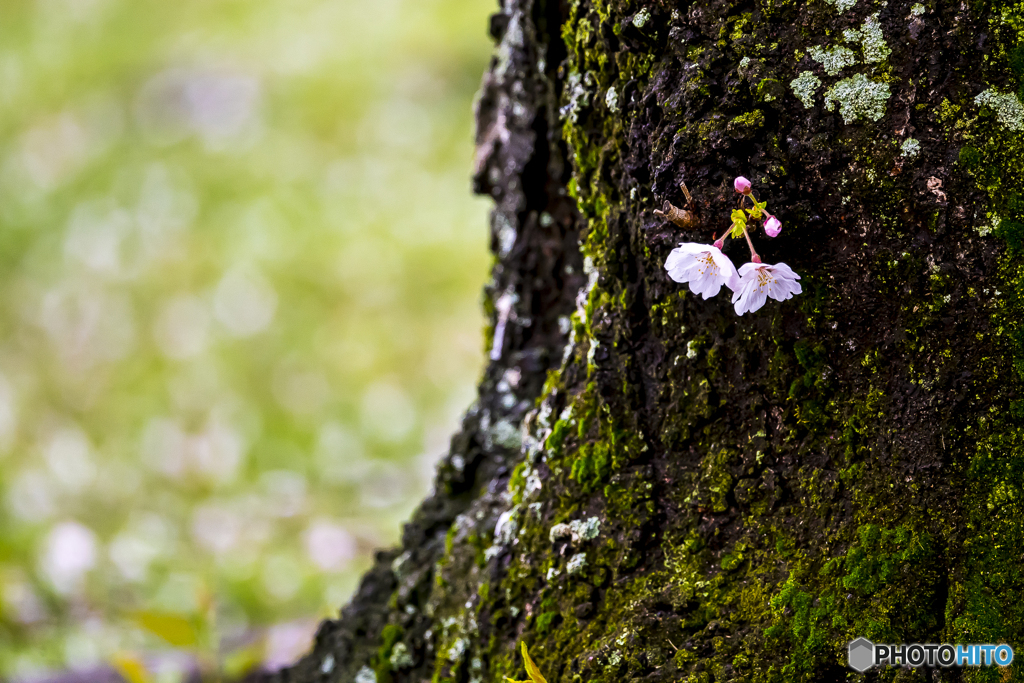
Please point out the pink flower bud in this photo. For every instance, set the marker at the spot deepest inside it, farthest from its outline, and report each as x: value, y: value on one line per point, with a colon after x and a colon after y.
x: 773, y: 226
x: 742, y: 185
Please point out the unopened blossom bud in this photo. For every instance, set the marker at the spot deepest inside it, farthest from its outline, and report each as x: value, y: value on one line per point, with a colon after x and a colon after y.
x: 773, y: 226
x: 742, y: 185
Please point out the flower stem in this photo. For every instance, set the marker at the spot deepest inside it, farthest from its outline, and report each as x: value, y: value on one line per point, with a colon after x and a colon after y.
x: 753, y: 254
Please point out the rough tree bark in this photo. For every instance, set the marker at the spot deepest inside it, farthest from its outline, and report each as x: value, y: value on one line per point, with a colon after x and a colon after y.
x: 650, y: 487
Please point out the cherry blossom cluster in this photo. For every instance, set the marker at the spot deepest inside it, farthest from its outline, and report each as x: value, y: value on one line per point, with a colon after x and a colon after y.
x: 705, y: 268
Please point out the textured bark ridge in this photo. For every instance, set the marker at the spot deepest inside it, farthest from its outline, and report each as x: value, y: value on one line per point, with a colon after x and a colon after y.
x: 652, y: 487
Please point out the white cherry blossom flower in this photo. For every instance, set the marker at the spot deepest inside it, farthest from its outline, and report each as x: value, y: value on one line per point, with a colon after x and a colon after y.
x: 758, y: 281
x: 703, y: 266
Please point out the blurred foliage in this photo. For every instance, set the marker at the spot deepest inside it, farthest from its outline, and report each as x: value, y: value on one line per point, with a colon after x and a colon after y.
x: 240, y: 266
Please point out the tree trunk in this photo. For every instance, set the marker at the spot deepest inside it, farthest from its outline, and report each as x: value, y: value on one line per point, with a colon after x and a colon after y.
x: 651, y: 486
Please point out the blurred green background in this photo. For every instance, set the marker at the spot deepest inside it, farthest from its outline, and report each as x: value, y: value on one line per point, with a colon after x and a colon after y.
x: 240, y: 268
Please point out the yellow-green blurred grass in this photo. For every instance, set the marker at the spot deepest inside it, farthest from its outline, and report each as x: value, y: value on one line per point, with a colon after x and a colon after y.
x: 341, y: 189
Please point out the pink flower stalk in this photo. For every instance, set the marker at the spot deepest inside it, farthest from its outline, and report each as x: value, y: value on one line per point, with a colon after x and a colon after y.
x: 703, y: 266
x: 773, y: 226
x: 742, y: 185
x: 758, y: 281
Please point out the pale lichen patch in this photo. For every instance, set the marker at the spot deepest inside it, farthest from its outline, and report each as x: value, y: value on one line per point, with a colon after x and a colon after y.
x: 585, y: 530
x: 559, y: 531
x: 858, y: 97
x: 1006, y: 106
x: 578, y: 530
x: 507, y: 526
x: 611, y: 100
x: 641, y: 18
x: 871, y: 40
x: 506, y: 233
x: 805, y: 86
x: 917, y: 10
x: 366, y: 675
x: 505, y: 434
x: 510, y: 42
x: 834, y: 59
x: 579, y: 97
x: 401, y: 657
x: 910, y: 147
x: 458, y: 650
x: 842, y: 5
x: 989, y: 228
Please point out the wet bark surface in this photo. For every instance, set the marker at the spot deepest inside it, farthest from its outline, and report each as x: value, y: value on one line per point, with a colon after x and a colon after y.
x: 652, y: 487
